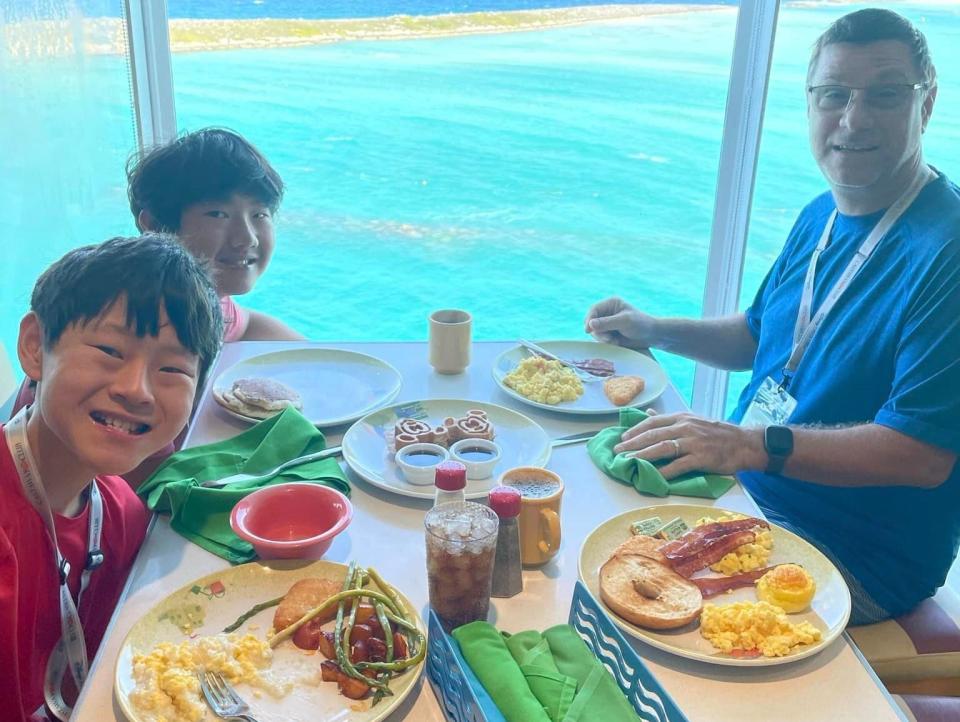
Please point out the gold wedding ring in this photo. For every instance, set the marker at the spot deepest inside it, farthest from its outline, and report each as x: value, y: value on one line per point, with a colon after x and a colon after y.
x: 676, y: 447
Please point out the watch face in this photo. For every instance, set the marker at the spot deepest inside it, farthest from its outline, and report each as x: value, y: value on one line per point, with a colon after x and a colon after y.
x: 778, y: 440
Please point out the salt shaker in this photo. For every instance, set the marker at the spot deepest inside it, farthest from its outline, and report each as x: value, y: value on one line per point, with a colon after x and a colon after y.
x: 507, y: 569
x: 450, y: 480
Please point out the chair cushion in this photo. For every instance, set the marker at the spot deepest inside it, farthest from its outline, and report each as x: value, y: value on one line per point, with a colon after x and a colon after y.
x: 919, y: 651
x: 928, y: 708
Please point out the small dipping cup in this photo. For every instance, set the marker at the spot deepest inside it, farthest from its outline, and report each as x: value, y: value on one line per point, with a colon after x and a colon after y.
x: 478, y: 455
x: 418, y: 462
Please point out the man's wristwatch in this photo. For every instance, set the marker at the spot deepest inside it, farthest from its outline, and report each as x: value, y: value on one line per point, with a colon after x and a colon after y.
x: 778, y: 441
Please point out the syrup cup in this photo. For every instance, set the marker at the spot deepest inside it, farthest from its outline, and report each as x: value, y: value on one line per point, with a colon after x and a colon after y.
x: 420, y: 473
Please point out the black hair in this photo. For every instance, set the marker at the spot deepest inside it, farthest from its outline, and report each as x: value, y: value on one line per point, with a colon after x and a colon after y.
x: 206, y: 165
x: 147, y: 270
x: 872, y: 25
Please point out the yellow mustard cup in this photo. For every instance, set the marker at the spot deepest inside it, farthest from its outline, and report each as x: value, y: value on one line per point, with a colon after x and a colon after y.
x: 541, y: 491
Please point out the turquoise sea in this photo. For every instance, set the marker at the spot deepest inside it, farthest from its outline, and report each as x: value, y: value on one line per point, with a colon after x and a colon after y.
x: 521, y: 176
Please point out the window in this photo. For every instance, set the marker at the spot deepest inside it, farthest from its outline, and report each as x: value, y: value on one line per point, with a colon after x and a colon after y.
x: 66, y: 129
x: 520, y: 175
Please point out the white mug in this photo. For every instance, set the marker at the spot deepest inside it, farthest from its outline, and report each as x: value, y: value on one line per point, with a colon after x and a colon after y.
x: 450, y: 340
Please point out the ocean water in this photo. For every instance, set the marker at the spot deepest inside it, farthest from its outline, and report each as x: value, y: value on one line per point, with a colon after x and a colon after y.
x: 521, y: 176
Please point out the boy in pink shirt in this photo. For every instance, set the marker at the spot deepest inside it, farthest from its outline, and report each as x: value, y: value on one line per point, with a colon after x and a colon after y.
x: 218, y: 194
x: 118, y: 338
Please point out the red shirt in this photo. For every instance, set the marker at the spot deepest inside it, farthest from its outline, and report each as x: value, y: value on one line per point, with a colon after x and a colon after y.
x: 29, y: 599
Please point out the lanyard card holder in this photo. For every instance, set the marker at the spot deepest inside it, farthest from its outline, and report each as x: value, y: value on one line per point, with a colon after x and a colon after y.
x: 771, y: 405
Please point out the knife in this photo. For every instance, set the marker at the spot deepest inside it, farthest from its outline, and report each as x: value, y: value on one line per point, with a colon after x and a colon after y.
x: 577, y: 438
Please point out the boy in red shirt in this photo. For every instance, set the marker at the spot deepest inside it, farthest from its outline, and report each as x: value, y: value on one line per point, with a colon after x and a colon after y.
x: 119, y: 337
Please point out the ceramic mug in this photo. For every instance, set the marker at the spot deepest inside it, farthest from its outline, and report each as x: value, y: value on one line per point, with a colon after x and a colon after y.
x: 541, y: 491
x: 450, y: 340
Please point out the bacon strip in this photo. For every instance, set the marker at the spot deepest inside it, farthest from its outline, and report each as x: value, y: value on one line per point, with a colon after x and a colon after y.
x: 595, y: 366
x: 699, y: 538
x: 712, y: 586
x: 714, y: 552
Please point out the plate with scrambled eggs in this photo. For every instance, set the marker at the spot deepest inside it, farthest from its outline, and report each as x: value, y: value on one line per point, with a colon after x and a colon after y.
x: 739, y: 621
x: 156, y: 669
x: 368, y: 448
x: 550, y: 385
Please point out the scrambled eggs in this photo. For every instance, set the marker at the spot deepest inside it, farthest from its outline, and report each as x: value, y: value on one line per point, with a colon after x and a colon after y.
x: 789, y: 586
x: 544, y: 381
x: 744, y: 558
x: 754, y: 625
x: 167, y: 689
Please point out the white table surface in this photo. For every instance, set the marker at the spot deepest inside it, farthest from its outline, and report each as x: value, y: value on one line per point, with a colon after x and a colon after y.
x: 833, y: 685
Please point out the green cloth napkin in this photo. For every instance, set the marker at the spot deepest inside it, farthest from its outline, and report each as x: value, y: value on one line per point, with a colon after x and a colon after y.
x: 598, y: 697
x: 202, y: 515
x: 568, y: 683
x: 642, y: 474
x: 555, y: 691
x: 488, y: 657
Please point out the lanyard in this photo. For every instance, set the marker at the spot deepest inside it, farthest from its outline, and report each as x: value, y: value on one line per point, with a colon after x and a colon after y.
x: 71, y: 650
x: 806, y: 327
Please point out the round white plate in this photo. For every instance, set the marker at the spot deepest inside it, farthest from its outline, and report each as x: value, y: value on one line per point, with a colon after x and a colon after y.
x: 593, y: 401
x: 336, y: 386
x: 828, y: 612
x: 221, y: 598
x: 366, y: 448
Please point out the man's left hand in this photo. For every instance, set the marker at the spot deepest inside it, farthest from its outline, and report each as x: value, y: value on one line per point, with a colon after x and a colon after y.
x: 694, y: 444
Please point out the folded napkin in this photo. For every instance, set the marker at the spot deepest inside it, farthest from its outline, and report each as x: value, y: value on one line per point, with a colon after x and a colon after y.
x: 554, y: 690
x: 487, y: 654
x: 202, y: 515
x: 598, y: 697
x: 643, y: 474
x: 567, y: 681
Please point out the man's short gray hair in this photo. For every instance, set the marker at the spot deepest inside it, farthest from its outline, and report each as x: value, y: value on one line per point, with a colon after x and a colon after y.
x: 872, y: 25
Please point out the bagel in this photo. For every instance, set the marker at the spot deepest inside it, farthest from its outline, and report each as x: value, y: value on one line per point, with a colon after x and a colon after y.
x: 647, y: 593
x: 645, y: 546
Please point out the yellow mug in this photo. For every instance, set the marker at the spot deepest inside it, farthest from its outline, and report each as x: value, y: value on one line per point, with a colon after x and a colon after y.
x: 541, y: 491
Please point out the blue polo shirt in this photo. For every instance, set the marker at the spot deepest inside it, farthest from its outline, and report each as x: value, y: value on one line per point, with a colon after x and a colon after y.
x: 888, y: 353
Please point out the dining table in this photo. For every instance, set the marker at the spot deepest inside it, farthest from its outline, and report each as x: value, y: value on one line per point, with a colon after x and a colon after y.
x: 388, y: 531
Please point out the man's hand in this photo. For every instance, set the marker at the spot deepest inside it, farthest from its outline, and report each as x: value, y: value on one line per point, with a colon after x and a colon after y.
x: 616, y: 321
x: 695, y: 444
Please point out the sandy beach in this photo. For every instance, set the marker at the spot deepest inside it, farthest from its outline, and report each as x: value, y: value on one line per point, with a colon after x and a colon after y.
x: 107, y: 35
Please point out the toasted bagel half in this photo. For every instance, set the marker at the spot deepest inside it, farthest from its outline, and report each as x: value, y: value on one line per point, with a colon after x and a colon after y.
x: 647, y: 593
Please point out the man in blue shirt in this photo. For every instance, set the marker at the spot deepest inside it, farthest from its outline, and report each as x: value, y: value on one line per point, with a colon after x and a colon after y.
x: 849, y: 430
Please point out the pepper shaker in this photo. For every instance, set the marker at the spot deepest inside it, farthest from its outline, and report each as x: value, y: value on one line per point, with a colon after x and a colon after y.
x: 507, y: 569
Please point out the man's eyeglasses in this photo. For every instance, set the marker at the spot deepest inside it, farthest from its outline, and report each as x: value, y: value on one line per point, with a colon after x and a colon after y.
x: 886, y: 96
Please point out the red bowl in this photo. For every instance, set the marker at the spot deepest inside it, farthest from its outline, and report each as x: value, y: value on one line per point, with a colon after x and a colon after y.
x: 291, y: 521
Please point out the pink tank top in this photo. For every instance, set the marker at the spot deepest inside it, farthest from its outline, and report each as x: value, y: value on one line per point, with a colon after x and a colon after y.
x: 235, y: 319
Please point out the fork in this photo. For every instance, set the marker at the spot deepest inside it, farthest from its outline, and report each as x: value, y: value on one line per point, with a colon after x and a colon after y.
x: 222, y: 698
x: 584, y: 376
x: 262, y: 476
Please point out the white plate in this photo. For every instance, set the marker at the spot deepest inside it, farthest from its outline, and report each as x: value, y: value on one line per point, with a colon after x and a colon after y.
x: 336, y: 386
x: 828, y: 612
x: 221, y: 598
x: 593, y: 401
x: 365, y: 446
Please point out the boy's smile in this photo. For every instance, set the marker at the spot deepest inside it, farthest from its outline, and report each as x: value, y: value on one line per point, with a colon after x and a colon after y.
x: 107, y: 398
x: 235, y: 234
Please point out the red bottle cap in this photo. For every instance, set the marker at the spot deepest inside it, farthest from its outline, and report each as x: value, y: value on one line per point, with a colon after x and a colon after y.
x: 505, y: 501
x: 451, y: 476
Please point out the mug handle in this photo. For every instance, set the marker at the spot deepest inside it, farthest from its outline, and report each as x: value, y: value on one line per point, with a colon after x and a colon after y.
x: 550, y: 527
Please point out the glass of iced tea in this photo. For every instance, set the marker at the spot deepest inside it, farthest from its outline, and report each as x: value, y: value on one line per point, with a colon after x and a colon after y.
x: 461, y: 541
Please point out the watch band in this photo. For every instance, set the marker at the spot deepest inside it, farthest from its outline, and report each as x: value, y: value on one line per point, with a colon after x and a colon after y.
x: 778, y: 441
